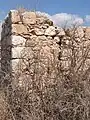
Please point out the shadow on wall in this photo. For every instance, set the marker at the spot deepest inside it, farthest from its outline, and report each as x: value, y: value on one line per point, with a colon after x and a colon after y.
x: 0, y: 44
x: 6, y: 46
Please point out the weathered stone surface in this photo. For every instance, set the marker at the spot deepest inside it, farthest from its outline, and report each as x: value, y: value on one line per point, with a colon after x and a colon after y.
x: 15, y: 66
x: 19, y: 29
x: 42, y: 38
x: 29, y: 18
x: 15, y: 17
x: 39, y: 31
x: 17, y: 52
x: 18, y: 41
x: 51, y: 31
x: 56, y: 39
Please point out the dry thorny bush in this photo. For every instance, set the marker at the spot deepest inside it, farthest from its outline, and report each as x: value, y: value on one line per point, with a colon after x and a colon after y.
x: 66, y: 96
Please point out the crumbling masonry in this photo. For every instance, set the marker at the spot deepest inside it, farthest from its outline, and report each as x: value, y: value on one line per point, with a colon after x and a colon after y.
x: 28, y: 39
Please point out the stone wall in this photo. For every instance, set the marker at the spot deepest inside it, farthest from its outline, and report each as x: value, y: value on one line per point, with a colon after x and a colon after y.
x: 28, y: 39
x: 31, y: 42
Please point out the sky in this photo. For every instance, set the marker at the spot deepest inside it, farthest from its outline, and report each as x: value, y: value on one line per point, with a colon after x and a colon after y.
x: 58, y: 10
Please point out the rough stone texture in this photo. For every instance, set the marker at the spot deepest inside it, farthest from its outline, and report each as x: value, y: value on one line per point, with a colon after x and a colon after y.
x: 33, y: 50
x: 18, y: 41
x: 14, y: 16
x: 19, y: 29
x: 30, y: 41
x: 29, y: 18
x: 51, y: 31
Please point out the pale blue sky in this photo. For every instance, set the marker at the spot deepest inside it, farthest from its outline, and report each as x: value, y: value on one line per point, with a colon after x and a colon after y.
x: 77, y: 7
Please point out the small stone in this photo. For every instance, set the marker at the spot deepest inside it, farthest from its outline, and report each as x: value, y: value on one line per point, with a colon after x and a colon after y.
x: 50, y: 31
x: 17, y: 52
x: 44, y: 27
x: 49, y: 37
x: 14, y: 64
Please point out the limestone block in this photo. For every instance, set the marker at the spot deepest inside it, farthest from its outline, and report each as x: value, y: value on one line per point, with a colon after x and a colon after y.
x: 22, y: 52
x: 24, y: 61
x: 15, y: 18
x: 17, y: 52
x: 51, y: 31
x: 29, y: 18
x: 19, y: 29
x: 15, y: 64
x: 18, y: 41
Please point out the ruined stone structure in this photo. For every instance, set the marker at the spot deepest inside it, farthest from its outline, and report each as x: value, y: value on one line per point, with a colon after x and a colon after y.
x: 28, y: 39
x: 31, y: 42
x: 37, y: 56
